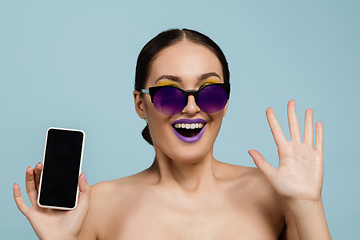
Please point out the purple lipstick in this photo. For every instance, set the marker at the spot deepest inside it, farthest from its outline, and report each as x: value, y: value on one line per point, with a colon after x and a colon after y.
x: 189, y: 124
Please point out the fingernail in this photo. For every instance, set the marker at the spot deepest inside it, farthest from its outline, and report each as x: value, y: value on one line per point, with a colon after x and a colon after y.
x: 36, y: 165
x: 249, y: 153
x: 85, y: 176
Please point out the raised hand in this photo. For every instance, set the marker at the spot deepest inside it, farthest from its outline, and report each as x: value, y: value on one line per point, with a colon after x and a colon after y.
x: 50, y: 223
x: 300, y: 172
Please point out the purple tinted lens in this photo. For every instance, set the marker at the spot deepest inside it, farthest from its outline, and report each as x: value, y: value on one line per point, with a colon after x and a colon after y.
x: 169, y: 101
x: 212, y: 99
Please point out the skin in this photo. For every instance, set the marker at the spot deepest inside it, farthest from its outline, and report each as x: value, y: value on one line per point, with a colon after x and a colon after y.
x: 186, y: 193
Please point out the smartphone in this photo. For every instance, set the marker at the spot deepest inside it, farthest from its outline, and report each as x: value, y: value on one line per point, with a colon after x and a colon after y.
x: 62, y: 161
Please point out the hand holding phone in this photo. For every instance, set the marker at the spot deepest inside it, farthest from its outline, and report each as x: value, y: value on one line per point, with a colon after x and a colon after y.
x: 58, y: 187
x: 52, y: 223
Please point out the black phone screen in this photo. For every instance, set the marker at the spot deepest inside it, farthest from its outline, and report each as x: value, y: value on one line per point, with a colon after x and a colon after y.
x: 62, y: 165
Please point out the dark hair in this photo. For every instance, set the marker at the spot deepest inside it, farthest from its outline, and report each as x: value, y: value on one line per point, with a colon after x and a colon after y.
x: 166, y: 39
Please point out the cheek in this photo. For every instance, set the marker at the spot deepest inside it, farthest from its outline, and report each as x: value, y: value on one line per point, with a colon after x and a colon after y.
x: 151, y: 116
x: 158, y: 123
x: 149, y: 108
x: 216, y: 121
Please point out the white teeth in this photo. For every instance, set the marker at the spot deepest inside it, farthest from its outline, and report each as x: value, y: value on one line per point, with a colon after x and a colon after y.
x: 189, y: 125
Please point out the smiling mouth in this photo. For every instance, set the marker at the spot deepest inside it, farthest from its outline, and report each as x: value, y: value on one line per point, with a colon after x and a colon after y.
x: 188, y: 129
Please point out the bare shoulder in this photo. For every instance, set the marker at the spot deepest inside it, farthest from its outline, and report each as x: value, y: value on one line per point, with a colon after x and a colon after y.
x: 255, y: 197
x: 251, y: 181
x: 235, y: 172
x: 120, y: 190
x: 111, y: 201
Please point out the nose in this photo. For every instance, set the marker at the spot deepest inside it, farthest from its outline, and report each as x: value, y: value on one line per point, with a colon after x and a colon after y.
x: 191, y: 107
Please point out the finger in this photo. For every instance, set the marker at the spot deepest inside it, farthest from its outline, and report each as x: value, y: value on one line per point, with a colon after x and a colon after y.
x: 19, y: 200
x: 262, y: 164
x: 37, y: 170
x: 275, y: 127
x: 78, y: 215
x: 293, y: 122
x: 309, y: 128
x: 84, y: 197
x: 319, y: 138
x: 30, y: 185
x: 84, y: 186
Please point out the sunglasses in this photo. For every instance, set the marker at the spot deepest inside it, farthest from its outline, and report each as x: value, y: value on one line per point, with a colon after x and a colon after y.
x: 171, y: 100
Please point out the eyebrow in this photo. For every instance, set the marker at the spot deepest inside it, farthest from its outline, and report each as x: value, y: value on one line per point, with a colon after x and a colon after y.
x: 208, y: 75
x: 169, y: 77
x: 178, y: 79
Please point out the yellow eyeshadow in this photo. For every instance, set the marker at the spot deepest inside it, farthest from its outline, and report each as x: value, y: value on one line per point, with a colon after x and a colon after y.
x: 210, y: 81
x: 166, y: 82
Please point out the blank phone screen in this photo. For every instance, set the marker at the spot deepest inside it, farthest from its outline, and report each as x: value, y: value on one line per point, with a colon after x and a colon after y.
x: 62, y: 161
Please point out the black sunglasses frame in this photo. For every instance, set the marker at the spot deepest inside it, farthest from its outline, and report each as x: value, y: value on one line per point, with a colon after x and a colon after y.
x: 152, y: 91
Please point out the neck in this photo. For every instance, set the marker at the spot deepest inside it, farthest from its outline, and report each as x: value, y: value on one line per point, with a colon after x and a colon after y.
x: 190, y: 176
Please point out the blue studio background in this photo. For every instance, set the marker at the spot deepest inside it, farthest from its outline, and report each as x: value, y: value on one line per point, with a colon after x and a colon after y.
x: 71, y: 64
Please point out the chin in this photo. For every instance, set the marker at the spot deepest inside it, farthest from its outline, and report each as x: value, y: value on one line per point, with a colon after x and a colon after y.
x: 189, y: 153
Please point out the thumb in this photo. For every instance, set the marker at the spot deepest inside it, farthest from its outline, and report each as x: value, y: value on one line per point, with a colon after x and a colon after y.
x: 262, y: 164
x: 78, y: 215
x: 83, y: 185
x: 85, y: 190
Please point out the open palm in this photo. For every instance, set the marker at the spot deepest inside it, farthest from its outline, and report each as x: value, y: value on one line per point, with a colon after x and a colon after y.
x: 300, y: 172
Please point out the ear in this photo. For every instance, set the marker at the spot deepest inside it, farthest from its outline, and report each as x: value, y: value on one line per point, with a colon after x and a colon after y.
x: 139, y: 104
x: 226, y: 108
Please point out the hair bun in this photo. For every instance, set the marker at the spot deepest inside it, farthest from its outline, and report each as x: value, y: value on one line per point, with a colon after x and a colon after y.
x: 146, y: 134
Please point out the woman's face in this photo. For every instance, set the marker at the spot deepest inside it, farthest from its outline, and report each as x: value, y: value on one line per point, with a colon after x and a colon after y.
x: 189, y: 66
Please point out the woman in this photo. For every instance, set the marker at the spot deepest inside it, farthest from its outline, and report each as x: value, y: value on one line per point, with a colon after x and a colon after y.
x: 182, y: 90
